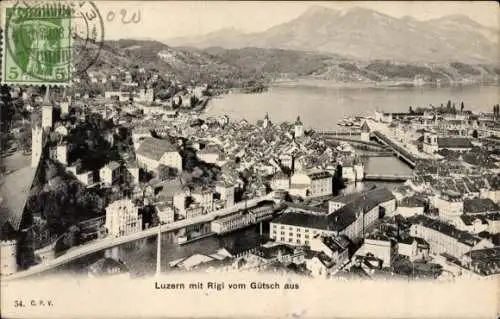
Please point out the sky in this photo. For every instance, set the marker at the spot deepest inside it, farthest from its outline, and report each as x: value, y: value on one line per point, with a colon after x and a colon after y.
x: 162, y: 20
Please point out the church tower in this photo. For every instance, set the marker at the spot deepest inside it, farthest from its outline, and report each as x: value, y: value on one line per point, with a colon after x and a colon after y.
x: 365, y: 132
x: 299, y: 128
x: 65, y: 104
x: 267, y: 121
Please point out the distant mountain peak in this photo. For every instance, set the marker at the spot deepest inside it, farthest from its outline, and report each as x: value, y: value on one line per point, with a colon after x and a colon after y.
x: 363, y: 33
x: 317, y: 9
x: 458, y: 18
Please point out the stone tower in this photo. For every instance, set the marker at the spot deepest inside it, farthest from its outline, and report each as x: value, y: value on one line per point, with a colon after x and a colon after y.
x: 65, y: 104
x: 267, y: 121
x: 365, y: 132
x: 47, y: 111
x: 36, y: 144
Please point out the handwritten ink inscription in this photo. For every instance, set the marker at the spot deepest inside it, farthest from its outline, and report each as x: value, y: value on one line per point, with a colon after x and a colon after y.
x: 126, y: 17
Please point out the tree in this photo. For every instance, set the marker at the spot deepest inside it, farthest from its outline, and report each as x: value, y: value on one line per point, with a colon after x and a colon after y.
x: 462, y: 106
x: 448, y: 105
x: 193, y: 101
x: 410, y: 110
x: 338, y: 181
x: 475, y: 134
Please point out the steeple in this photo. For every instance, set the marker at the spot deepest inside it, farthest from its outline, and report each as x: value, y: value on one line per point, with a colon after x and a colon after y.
x: 299, y: 128
x: 298, y: 121
x: 267, y: 122
x: 365, y: 128
x: 46, y: 98
x: 365, y: 132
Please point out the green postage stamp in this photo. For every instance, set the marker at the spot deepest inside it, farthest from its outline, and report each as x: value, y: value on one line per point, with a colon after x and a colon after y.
x: 37, y: 45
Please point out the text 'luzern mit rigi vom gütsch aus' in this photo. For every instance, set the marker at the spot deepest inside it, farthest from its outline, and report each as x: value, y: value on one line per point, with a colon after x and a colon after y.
x: 220, y: 285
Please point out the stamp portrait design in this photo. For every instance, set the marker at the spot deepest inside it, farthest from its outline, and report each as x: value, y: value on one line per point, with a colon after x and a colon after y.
x: 49, y: 42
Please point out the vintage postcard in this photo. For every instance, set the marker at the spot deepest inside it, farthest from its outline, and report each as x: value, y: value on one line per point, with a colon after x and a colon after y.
x: 243, y: 159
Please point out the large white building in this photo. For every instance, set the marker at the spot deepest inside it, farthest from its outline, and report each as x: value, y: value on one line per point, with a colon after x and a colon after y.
x: 450, y: 205
x: 312, y: 184
x: 165, y: 213
x: 204, y: 197
x: 348, y: 215
x: 380, y: 247
x: 433, y: 143
x: 122, y: 218
x: 153, y: 151
x: 445, y: 238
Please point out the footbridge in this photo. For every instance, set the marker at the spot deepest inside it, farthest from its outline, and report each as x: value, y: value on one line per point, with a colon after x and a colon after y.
x: 387, y: 177
x: 399, y: 151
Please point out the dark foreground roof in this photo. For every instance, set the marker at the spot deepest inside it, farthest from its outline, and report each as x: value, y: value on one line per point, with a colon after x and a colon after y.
x: 154, y: 148
x: 341, y: 218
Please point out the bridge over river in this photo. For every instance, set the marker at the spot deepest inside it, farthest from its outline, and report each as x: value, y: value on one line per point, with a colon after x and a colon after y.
x: 398, y: 150
x: 109, y: 242
x: 351, y: 138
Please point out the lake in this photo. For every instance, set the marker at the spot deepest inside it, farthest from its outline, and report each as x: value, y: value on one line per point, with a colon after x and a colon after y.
x: 321, y: 107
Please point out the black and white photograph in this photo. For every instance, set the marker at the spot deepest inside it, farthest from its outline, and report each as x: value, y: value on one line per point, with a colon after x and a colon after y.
x: 242, y: 159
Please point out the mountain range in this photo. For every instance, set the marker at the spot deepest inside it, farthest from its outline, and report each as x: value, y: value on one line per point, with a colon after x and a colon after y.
x: 365, y: 34
x: 355, y: 46
x: 235, y: 67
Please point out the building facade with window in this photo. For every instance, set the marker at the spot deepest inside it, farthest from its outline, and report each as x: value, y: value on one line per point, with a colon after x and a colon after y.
x: 122, y: 218
x: 445, y: 238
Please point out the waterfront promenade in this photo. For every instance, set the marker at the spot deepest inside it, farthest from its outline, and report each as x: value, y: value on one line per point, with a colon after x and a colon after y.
x: 109, y: 242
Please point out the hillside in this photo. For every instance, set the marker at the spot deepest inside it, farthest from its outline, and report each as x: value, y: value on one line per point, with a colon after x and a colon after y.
x: 366, y: 35
x: 234, y: 67
x: 278, y: 64
x: 183, y: 65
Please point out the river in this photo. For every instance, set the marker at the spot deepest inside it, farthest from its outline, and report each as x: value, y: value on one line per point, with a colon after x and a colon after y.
x: 140, y: 256
x: 321, y: 107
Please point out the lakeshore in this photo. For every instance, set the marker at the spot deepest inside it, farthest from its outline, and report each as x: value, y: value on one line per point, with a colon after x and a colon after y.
x: 322, y: 107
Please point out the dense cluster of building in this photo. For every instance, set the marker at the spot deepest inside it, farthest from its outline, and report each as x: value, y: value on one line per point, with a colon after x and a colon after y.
x: 446, y: 216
